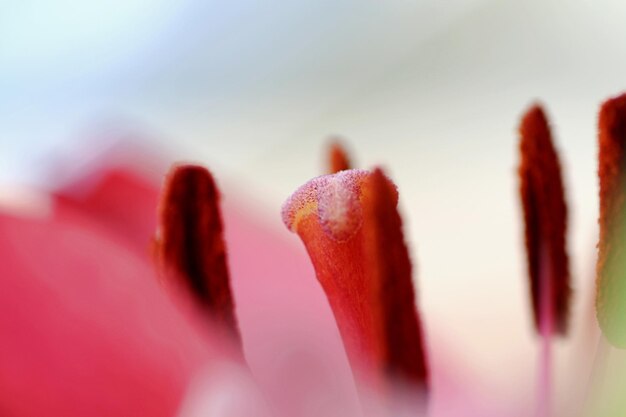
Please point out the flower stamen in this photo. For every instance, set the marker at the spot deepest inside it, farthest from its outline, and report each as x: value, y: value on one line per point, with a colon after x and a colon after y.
x: 543, y: 202
x: 610, y: 282
x: 190, y: 242
x: 337, y: 158
x: 545, y: 213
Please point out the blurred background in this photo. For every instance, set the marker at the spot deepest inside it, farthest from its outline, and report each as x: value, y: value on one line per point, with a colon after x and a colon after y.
x: 431, y: 90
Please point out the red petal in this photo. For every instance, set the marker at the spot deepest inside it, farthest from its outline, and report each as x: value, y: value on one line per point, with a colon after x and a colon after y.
x: 545, y: 215
x: 85, y: 328
x: 352, y: 231
x: 611, y: 282
x: 121, y: 200
x: 190, y: 241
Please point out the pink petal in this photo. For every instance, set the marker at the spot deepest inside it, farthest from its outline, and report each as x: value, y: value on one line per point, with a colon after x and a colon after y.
x: 122, y: 200
x: 85, y: 327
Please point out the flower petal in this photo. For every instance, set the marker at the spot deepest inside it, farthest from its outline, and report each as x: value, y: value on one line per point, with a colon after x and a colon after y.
x: 85, y: 328
x: 121, y: 199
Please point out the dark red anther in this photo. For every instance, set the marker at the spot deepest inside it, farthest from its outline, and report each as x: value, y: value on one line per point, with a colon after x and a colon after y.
x: 337, y: 158
x: 190, y: 242
x: 545, y: 213
x: 611, y: 267
x: 389, y: 269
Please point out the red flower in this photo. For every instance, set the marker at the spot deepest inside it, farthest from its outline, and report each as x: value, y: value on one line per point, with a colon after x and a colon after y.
x: 219, y: 315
